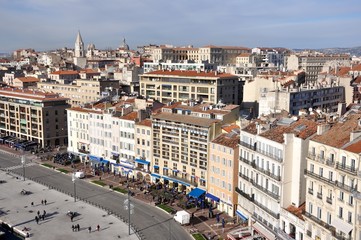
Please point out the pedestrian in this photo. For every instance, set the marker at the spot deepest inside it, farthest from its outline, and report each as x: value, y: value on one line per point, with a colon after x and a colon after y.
x: 37, y: 219
x: 71, y: 217
x: 38, y: 213
x: 42, y: 202
x: 98, y: 227
x: 78, y: 227
x: 217, y: 217
x: 223, y: 224
x: 45, y: 201
x: 44, y: 213
x: 32, y: 204
x: 72, y: 227
x: 89, y: 229
x: 43, y: 217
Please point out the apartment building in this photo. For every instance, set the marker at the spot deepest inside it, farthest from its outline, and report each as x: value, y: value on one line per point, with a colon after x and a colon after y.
x: 82, y: 91
x: 223, y: 172
x: 312, y: 64
x: 143, y: 149
x: 184, y: 65
x: 272, y: 159
x: 25, y: 82
x: 177, y: 85
x: 333, y: 180
x: 294, y: 99
x: 64, y: 76
x: 181, y: 136
x: 33, y: 115
x: 220, y: 55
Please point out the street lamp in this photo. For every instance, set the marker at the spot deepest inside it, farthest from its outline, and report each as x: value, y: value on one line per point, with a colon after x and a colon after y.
x: 23, y: 163
x: 130, y: 207
x: 73, y: 178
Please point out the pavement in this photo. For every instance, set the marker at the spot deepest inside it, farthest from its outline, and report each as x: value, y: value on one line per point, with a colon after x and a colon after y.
x: 201, y: 222
x: 17, y: 211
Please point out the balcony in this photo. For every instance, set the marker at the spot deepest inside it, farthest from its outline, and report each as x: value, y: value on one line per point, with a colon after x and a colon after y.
x: 141, y: 169
x: 319, y: 221
x: 330, y: 162
x: 245, y: 160
x: 329, y: 200
x: 249, y: 146
x: 284, y: 235
x: 245, y: 195
x: 271, y: 155
x: 345, y: 168
x: 309, y: 233
x: 346, y: 187
x: 318, y: 177
x: 310, y: 191
x: 244, y: 177
x: 319, y: 195
x: 267, y: 172
x: 264, y: 208
x: 265, y: 190
x: 83, y: 151
x: 311, y: 155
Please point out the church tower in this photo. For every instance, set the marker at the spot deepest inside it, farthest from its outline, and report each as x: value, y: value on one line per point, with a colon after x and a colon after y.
x: 79, y: 46
x: 79, y: 53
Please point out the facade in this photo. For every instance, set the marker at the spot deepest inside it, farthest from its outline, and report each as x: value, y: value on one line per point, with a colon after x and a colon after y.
x: 83, y: 91
x: 209, y: 87
x: 272, y: 159
x: 143, y: 149
x: 333, y: 175
x: 185, y: 66
x: 223, y: 172
x: 33, y: 115
x: 293, y: 100
x: 181, y: 137
x: 64, y: 77
x: 25, y: 82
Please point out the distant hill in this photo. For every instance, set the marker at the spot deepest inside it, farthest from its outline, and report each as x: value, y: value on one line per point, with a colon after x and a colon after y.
x: 353, y: 50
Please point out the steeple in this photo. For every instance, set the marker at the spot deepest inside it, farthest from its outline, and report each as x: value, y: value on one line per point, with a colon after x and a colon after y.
x: 79, y: 46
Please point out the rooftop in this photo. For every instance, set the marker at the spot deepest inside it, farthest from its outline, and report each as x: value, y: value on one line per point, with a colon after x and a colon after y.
x: 297, y: 211
x: 181, y: 73
x: 30, y: 94
x: 145, y: 122
x: 230, y: 140
x: 203, y: 122
x: 65, y: 72
x: 28, y: 79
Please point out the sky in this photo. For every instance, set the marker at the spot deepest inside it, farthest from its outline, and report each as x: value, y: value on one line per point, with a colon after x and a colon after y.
x: 52, y: 24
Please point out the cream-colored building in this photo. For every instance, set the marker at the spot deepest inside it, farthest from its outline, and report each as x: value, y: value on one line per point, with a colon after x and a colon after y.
x: 223, y: 172
x: 64, y: 76
x: 333, y: 180
x: 25, y: 82
x: 83, y: 91
x: 272, y: 159
x: 143, y: 149
x: 181, y: 136
x: 33, y: 115
x: 177, y: 85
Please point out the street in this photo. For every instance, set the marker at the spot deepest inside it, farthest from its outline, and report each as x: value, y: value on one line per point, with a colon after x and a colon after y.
x: 148, y: 221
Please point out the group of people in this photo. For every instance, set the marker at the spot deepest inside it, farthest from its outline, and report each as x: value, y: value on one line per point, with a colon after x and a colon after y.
x: 40, y: 217
x: 75, y: 227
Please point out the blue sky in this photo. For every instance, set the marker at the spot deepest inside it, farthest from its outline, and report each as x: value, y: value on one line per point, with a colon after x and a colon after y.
x: 51, y: 24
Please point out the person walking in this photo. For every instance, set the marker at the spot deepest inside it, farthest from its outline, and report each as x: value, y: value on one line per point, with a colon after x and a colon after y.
x: 72, y: 227
x: 223, y: 224
x: 45, y: 201
x: 217, y: 217
x: 78, y: 227
x: 38, y: 213
x: 98, y: 227
x: 37, y: 219
x: 89, y: 229
x: 72, y: 217
x: 42, y: 202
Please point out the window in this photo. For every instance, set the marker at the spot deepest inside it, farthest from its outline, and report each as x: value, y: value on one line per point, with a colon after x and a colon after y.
x: 350, y: 200
x: 321, y: 171
x: 328, y: 218
x: 349, y: 217
x: 319, y: 212
x: 341, y: 196
x: 340, y: 212
x: 330, y: 175
x: 312, y: 168
x: 310, y: 208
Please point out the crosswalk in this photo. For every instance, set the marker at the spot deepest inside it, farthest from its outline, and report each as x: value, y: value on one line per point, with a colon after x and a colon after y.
x: 19, y: 166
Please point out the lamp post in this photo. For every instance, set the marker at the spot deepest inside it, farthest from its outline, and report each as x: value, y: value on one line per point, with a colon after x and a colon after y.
x: 23, y: 163
x: 73, y: 178
x: 130, y: 207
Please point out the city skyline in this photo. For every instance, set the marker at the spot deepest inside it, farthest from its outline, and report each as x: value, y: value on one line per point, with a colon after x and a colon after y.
x: 45, y: 25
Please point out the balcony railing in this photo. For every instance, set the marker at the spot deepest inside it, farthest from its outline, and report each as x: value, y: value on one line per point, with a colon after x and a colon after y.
x: 316, y: 176
x: 330, y: 162
x: 284, y: 235
x: 245, y: 195
x: 310, y: 191
x: 309, y: 233
x: 267, y: 172
x: 345, y: 168
x: 311, y: 155
x: 271, y: 155
x: 265, y: 190
x: 346, y: 187
x: 319, y: 195
x: 329, y: 200
x: 264, y: 208
x: 247, y: 145
x: 83, y: 151
x: 245, y: 160
x: 318, y: 221
x: 244, y: 177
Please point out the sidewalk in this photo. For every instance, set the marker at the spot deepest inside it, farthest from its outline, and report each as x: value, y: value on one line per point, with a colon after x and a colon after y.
x: 200, y: 223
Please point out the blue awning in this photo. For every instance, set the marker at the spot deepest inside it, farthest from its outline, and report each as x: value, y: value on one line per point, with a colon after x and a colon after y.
x: 241, y: 215
x: 155, y: 166
x: 214, y: 198
x: 175, y: 170
x: 165, y: 168
x: 165, y: 178
x: 142, y: 161
x: 95, y: 158
x: 104, y: 161
x: 155, y: 175
x: 196, y: 193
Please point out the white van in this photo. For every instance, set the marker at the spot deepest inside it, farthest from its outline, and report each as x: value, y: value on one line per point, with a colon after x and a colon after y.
x: 79, y: 174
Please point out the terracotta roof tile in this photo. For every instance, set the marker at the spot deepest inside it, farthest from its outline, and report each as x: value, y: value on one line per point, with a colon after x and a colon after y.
x: 339, y: 134
x: 28, y: 79
x: 229, y: 128
x: 297, y: 211
x: 130, y: 116
x: 145, y: 122
x: 227, y: 139
x: 85, y: 110
x: 65, y: 72
x: 355, y: 147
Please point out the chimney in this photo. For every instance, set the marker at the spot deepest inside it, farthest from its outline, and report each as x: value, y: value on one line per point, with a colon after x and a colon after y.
x: 322, y: 128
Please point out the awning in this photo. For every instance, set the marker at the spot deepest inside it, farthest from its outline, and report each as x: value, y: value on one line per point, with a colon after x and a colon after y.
x: 95, y: 158
x: 165, y: 178
x: 165, y: 168
x: 263, y: 231
x: 155, y: 175
x: 155, y: 166
x: 180, y: 182
x: 241, y: 215
x: 104, y: 161
x: 341, y: 225
x: 175, y: 170
x: 214, y: 198
x: 115, y: 154
x: 196, y: 193
x: 145, y: 162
